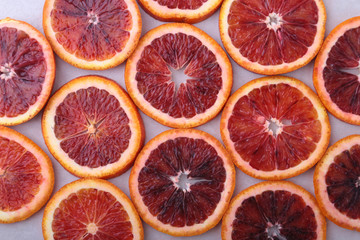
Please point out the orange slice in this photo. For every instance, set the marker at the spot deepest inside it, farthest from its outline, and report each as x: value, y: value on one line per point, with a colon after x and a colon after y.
x: 189, y: 11
x: 336, y: 71
x: 92, y: 128
x: 337, y: 181
x: 26, y: 177
x: 182, y: 182
x: 94, y: 35
x: 274, y: 210
x: 272, y: 37
x: 275, y: 128
x: 27, y: 71
x: 179, y: 47
x: 91, y: 209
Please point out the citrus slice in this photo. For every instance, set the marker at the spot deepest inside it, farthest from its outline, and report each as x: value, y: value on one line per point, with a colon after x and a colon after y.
x: 89, y: 34
x: 27, y: 71
x: 272, y: 37
x: 182, y: 182
x: 274, y: 210
x: 26, y: 177
x: 337, y: 182
x: 179, y: 47
x: 336, y: 71
x: 189, y: 11
x: 91, y: 209
x: 275, y: 128
x: 92, y: 128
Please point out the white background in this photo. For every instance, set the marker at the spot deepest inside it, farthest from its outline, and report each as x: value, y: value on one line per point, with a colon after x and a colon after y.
x: 31, y: 12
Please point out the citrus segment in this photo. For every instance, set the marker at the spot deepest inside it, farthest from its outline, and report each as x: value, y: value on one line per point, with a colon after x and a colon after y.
x: 272, y: 37
x: 92, y: 128
x: 91, y: 209
x: 337, y: 181
x: 26, y: 177
x: 182, y: 182
x: 274, y: 210
x: 148, y: 76
x: 27, y: 71
x: 189, y: 11
x: 336, y: 71
x: 275, y: 128
x: 92, y: 34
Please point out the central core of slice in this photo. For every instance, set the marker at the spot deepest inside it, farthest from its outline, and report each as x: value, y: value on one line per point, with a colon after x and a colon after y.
x: 7, y: 72
x: 184, y: 182
x: 93, y: 18
x: 92, y: 129
x: 273, y: 21
x: 178, y: 76
x: 274, y: 126
x: 357, y: 182
x: 274, y: 231
x: 2, y: 172
x: 92, y: 228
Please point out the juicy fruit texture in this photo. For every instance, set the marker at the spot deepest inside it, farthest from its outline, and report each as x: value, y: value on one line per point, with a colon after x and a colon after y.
x: 298, y: 133
x: 182, y: 4
x: 92, y: 127
x: 178, y: 51
x: 20, y: 175
x: 182, y: 182
x: 22, y: 71
x: 343, y: 182
x: 179, y: 47
x: 91, y: 214
x: 275, y: 215
x: 272, y: 37
x: 92, y: 30
x: 158, y: 179
x: 275, y: 128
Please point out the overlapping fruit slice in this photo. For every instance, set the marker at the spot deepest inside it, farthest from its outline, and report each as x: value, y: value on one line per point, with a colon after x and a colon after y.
x: 26, y: 176
x: 27, y: 71
x: 189, y: 11
x: 336, y: 71
x: 275, y: 128
x: 337, y: 183
x: 179, y: 46
x: 272, y: 37
x: 91, y: 209
x: 182, y: 182
x: 92, y: 128
x: 91, y: 34
x: 274, y: 210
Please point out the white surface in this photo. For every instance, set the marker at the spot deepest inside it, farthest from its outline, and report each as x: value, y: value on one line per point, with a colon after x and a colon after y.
x: 31, y: 12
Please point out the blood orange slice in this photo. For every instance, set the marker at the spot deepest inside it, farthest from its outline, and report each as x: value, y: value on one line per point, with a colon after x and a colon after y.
x: 274, y: 210
x: 337, y: 181
x: 182, y: 182
x: 94, y: 35
x: 91, y: 209
x: 189, y: 11
x: 336, y: 71
x: 272, y: 37
x: 92, y: 128
x: 179, y: 46
x: 26, y: 176
x: 27, y: 71
x: 275, y: 128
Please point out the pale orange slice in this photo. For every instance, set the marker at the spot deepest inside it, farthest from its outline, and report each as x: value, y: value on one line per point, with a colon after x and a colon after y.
x: 26, y: 176
x: 92, y: 128
x: 275, y: 128
x: 92, y: 209
x: 182, y: 182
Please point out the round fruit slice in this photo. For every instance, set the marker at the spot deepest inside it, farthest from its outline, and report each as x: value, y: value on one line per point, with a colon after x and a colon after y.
x: 274, y: 210
x: 91, y: 209
x: 26, y: 177
x: 275, y: 128
x: 189, y: 11
x: 92, y: 128
x: 94, y: 35
x: 27, y: 71
x: 179, y: 47
x: 336, y: 72
x: 337, y: 183
x: 272, y: 37
x: 182, y: 182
